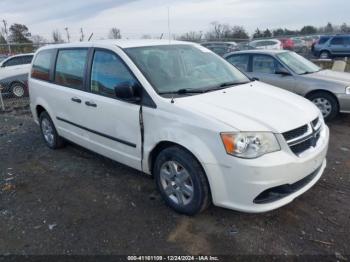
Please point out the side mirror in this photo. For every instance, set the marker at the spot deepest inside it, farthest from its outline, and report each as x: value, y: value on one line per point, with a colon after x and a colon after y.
x: 127, y: 91
x: 282, y: 71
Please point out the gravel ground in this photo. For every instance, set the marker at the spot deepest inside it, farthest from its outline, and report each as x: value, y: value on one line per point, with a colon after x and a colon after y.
x: 72, y: 201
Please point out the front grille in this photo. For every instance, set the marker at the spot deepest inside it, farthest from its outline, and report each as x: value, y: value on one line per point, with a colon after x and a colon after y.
x: 303, y: 138
x: 295, y: 133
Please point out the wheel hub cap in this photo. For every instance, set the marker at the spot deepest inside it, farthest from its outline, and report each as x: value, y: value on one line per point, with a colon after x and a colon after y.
x: 176, y: 183
x: 47, y: 130
x: 324, y: 105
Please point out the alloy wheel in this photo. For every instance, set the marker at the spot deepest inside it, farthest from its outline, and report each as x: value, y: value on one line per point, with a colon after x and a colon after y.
x: 176, y: 183
x: 324, y: 105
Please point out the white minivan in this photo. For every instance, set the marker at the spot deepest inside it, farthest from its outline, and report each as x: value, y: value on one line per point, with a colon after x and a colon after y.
x: 204, y: 130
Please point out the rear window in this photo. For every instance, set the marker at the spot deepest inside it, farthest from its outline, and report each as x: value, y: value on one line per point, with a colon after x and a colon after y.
x: 42, y: 64
x: 70, y: 68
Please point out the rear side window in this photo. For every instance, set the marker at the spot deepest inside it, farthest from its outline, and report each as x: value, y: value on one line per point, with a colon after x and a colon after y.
x: 263, y: 64
x: 239, y: 61
x: 107, y: 72
x: 13, y: 62
x: 42, y: 64
x: 70, y: 68
x: 338, y: 40
x: 27, y: 59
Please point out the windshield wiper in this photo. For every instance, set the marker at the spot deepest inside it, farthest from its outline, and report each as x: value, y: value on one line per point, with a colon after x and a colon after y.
x: 307, y: 72
x: 182, y: 91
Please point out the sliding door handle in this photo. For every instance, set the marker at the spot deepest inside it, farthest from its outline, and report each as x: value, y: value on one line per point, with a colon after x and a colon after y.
x: 90, y: 103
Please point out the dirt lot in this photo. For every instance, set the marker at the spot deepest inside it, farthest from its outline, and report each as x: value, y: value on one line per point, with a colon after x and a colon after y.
x: 72, y: 201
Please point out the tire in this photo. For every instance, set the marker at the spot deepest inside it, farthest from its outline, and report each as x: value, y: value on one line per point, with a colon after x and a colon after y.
x: 49, y: 132
x: 18, y: 90
x: 325, y: 55
x: 181, y: 181
x: 327, y: 103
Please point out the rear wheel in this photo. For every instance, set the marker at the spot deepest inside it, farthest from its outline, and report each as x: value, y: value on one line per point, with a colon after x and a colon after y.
x: 327, y: 104
x: 181, y: 181
x: 49, y: 132
x: 18, y: 90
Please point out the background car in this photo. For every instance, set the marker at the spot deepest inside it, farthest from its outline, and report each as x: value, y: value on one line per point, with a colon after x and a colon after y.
x: 287, y: 43
x: 270, y: 44
x: 332, y: 46
x: 299, y: 45
x: 329, y: 90
x: 245, y: 46
x: 221, y: 48
x: 13, y: 74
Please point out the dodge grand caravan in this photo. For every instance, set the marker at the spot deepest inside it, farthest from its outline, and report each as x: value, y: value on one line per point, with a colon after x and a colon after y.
x: 177, y: 111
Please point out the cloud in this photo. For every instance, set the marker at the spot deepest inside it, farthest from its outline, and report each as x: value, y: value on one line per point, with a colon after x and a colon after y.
x: 138, y: 17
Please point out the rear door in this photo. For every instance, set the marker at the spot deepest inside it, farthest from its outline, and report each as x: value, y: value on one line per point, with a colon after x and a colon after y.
x: 241, y: 61
x: 264, y: 68
x: 338, y: 45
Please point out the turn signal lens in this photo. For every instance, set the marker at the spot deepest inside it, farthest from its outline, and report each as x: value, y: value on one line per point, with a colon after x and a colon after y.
x: 347, y: 90
x: 229, y: 143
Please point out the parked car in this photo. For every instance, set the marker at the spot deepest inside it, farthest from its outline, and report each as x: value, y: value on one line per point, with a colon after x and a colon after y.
x: 221, y: 48
x: 179, y: 112
x: 3, y: 57
x: 328, y: 90
x: 270, y: 44
x: 244, y: 46
x: 299, y: 45
x: 14, y: 73
x: 332, y: 46
x: 287, y: 43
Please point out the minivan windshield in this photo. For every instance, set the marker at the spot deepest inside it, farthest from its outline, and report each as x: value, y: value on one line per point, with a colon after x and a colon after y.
x: 297, y: 63
x: 184, y: 69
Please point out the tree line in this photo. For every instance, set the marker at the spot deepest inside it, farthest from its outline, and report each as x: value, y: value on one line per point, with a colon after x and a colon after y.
x: 219, y: 31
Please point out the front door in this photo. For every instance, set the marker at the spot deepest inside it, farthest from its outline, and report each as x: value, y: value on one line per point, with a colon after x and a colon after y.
x: 112, y: 126
x: 264, y: 68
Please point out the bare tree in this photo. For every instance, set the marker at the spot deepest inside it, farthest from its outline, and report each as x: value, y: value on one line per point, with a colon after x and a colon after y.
x: 68, y: 35
x: 114, y: 33
x: 192, y: 36
x: 82, y: 36
x: 38, y: 39
x: 57, y: 37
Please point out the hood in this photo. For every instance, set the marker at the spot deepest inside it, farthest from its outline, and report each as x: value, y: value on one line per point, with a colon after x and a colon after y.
x: 341, y: 78
x: 253, y: 107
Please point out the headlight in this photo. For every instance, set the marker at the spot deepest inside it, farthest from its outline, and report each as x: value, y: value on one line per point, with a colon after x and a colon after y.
x: 347, y: 90
x: 250, y: 144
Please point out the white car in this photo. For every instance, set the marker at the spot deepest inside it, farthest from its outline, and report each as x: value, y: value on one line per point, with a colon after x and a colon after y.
x: 13, y: 74
x: 269, y: 44
x: 183, y: 114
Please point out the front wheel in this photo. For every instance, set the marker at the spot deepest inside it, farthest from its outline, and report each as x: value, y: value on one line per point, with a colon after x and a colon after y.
x: 181, y: 181
x: 325, y: 55
x: 327, y: 104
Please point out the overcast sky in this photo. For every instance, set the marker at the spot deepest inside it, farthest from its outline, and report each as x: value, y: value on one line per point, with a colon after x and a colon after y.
x: 138, y: 17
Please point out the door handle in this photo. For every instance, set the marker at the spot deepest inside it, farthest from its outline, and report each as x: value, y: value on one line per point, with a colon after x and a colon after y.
x: 76, y: 100
x: 90, y: 103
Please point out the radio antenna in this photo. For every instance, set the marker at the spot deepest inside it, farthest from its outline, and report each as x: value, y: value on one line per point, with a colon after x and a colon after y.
x: 169, y: 31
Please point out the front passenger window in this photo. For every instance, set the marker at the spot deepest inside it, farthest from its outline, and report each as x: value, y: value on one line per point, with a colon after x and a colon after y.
x: 107, y: 72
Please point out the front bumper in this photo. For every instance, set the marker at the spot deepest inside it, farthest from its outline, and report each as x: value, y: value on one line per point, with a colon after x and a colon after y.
x: 238, y: 184
x: 344, y: 103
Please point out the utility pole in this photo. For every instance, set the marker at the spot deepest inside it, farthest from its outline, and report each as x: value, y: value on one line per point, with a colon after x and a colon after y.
x: 6, y: 34
x: 82, y: 36
x: 68, y: 36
